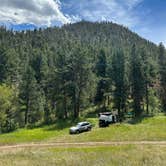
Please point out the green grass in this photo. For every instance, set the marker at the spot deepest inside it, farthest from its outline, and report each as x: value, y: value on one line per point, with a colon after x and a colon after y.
x: 153, y: 128
x: 127, y: 155
x: 30, y: 135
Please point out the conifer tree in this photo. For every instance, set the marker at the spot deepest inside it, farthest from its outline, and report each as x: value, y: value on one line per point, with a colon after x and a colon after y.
x: 101, y: 67
x: 32, y: 99
x: 137, y: 81
x: 120, y: 82
x: 80, y: 71
x: 162, y: 71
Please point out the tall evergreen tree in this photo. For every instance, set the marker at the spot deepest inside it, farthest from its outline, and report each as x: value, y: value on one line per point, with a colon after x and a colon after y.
x: 137, y: 81
x: 162, y: 71
x: 101, y: 67
x: 120, y: 81
x: 80, y: 75
x: 62, y: 84
x: 32, y: 100
x: 149, y: 73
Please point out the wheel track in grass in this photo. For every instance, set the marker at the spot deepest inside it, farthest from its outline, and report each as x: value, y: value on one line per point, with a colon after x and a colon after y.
x: 82, y: 144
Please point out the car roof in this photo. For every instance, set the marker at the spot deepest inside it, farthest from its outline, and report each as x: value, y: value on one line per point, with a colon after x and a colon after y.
x: 80, y: 123
x: 105, y: 113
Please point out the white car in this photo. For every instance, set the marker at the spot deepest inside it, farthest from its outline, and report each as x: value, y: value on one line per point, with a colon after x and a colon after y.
x: 80, y: 127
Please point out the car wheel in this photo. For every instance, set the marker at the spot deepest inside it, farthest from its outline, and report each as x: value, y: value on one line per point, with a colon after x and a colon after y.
x: 77, y: 132
x: 89, y: 128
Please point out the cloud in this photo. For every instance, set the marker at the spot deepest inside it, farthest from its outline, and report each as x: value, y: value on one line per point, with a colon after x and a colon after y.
x: 132, y: 3
x: 120, y: 11
x: 49, y: 12
x: 37, y: 12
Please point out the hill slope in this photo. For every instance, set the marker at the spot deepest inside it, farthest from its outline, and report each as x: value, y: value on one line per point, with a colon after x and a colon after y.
x: 54, y: 73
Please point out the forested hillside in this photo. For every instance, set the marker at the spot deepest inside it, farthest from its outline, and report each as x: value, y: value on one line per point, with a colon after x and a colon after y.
x: 56, y: 73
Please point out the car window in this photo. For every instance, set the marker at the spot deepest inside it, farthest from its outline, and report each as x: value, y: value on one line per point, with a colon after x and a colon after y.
x: 83, y: 124
x: 78, y: 125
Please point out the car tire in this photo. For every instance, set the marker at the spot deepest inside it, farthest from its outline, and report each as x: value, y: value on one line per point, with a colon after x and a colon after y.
x: 89, y: 128
x: 77, y: 132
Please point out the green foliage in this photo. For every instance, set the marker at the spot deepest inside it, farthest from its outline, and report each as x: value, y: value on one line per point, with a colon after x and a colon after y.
x: 102, y: 85
x: 32, y: 99
x: 120, y: 82
x: 162, y: 72
x: 8, y: 109
x: 137, y: 80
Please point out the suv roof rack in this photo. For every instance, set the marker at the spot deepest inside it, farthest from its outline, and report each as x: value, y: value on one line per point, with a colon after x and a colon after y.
x: 105, y: 113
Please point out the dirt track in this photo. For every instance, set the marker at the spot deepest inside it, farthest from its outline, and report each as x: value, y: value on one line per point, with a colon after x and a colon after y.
x: 82, y: 144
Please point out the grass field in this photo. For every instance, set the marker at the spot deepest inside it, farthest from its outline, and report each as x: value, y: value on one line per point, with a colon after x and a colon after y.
x: 126, y: 155
x: 152, y: 129
x: 149, y: 129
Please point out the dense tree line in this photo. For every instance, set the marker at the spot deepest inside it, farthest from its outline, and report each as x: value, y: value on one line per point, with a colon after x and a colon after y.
x: 56, y: 73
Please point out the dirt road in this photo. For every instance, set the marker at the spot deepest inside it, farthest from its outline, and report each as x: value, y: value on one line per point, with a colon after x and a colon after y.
x: 82, y: 144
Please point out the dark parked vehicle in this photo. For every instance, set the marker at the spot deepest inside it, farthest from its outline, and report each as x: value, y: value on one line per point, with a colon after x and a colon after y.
x: 106, y: 118
x: 80, y: 127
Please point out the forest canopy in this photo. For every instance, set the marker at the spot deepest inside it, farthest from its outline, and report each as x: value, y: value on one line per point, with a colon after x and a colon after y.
x: 56, y: 73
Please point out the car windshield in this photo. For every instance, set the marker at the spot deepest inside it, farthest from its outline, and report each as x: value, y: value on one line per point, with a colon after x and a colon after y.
x: 78, y: 125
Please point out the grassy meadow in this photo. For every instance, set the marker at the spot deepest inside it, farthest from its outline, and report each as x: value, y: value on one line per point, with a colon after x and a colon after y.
x: 149, y: 129
x: 123, y: 155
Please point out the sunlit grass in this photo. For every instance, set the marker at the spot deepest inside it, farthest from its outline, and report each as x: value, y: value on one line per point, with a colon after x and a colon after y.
x: 126, y: 155
x: 153, y: 129
x: 30, y: 135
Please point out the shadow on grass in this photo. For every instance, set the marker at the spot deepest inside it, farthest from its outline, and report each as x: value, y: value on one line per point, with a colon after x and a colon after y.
x: 63, y: 123
x: 137, y: 120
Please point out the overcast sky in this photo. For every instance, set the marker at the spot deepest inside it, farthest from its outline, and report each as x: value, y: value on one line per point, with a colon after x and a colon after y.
x: 146, y: 17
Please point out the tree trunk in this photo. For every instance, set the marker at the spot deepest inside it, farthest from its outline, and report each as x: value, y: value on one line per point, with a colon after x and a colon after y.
x: 147, y: 99
x: 26, y: 112
x: 75, y: 111
x: 46, y: 113
x: 120, y: 111
x: 77, y: 105
x: 108, y: 100
x: 137, y: 106
x: 65, y: 107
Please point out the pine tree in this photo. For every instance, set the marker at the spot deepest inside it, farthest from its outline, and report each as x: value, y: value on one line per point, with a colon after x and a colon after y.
x: 149, y: 73
x: 102, y: 86
x: 62, y: 85
x: 32, y: 99
x: 120, y: 82
x: 162, y: 71
x: 80, y: 76
x: 137, y: 81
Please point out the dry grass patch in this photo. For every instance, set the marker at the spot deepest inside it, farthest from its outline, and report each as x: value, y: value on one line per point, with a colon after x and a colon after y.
x: 126, y: 155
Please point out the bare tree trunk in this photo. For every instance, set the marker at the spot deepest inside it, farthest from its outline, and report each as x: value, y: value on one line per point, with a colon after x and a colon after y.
x: 26, y: 112
x: 65, y: 107
x: 147, y: 99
